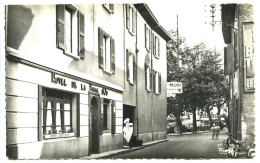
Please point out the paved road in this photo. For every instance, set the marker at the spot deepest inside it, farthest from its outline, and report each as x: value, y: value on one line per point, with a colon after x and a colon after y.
x: 193, y: 146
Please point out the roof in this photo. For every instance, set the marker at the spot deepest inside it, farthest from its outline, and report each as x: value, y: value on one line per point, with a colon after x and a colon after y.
x: 151, y: 20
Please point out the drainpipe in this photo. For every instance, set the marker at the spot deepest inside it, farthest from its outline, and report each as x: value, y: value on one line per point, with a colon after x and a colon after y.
x: 137, y: 52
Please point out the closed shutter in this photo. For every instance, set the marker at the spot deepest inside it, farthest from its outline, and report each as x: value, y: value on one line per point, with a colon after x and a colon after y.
x: 101, y: 110
x: 146, y: 69
x: 60, y: 26
x: 160, y: 83
x: 127, y: 17
x: 100, y: 47
x: 112, y: 55
x: 127, y: 65
x: 150, y: 39
x: 235, y: 51
x: 134, y: 68
x: 113, y: 114
x: 81, y: 35
x: 134, y: 21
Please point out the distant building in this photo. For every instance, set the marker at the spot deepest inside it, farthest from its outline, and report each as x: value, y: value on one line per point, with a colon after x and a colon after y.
x: 75, y: 72
x: 238, y: 34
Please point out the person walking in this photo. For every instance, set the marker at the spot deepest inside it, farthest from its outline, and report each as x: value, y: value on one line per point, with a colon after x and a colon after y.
x: 213, y: 130
x: 128, y: 131
x: 217, y: 128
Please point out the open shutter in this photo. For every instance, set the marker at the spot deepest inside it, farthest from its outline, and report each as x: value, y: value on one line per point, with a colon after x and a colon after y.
x: 100, y: 47
x: 150, y: 39
x: 60, y: 26
x: 113, y: 114
x: 160, y: 83
x: 112, y: 55
x: 154, y: 80
x: 127, y: 16
x: 81, y: 35
x: 146, y: 69
x: 127, y: 65
x: 145, y: 35
x: 235, y: 51
x: 134, y: 68
x: 134, y: 21
x: 111, y: 7
x: 101, y: 117
x: 153, y: 44
x: 158, y: 47
x: 151, y: 79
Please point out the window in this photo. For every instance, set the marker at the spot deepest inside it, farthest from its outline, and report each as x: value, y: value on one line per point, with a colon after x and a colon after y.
x: 156, y: 82
x: 147, y: 37
x: 130, y: 19
x: 156, y: 46
x: 109, y: 7
x: 131, y: 66
x: 70, y: 31
x: 106, y: 48
x: 108, y: 116
x: 147, y: 77
x: 56, y: 114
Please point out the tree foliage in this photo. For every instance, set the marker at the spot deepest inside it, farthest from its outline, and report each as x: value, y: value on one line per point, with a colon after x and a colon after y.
x: 200, y: 71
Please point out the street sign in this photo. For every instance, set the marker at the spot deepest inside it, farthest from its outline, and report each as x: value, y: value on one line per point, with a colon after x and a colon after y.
x: 174, y: 87
x: 171, y: 95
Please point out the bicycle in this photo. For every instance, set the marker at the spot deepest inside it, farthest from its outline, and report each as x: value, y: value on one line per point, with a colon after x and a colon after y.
x: 232, y: 146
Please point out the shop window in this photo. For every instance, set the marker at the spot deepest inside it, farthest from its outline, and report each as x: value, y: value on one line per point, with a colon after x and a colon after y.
x: 106, y: 52
x: 107, y: 120
x: 70, y: 31
x: 131, y: 66
x: 57, y: 114
x: 109, y: 7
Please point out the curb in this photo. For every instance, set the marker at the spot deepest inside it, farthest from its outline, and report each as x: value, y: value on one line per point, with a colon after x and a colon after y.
x: 121, y: 151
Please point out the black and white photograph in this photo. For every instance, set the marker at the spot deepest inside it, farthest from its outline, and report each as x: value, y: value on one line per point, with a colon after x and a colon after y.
x: 128, y: 80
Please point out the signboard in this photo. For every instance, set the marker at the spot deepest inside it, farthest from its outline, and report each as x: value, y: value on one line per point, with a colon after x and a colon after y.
x: 171, y: 95
x: 174, y: 87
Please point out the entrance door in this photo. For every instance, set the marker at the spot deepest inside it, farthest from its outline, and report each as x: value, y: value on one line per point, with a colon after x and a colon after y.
x: 93, y: 126
x: 128, y: 112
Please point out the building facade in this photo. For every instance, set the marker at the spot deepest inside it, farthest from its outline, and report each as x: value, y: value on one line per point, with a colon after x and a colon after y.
x: 238, y: 34
x: 75, y: 72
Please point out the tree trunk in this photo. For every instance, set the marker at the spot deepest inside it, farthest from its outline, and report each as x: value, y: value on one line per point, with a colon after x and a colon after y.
x: 178, y: 125
x: 194, y: 129
x: 209, y: 115
x: 219, y: 107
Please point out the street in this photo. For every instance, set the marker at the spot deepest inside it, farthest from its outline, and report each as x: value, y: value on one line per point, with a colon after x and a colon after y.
x: 193, y: 146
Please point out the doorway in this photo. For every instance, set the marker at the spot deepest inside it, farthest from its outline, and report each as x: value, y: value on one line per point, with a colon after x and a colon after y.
x: 94, y: 126
x: 129, y: 112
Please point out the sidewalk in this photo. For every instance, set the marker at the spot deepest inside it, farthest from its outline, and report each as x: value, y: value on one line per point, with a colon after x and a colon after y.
x: 120, y: 151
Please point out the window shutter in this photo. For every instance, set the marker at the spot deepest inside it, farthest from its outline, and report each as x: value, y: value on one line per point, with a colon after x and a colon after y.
x: 151, y: 79
x: 154, y: 80
x: 134, y: 21
x: 134, y: 68
x: 146, y: 69
x: 235, y: 51
x: 127, y: 65
x: 101, y: 117
x: 160, y: 83
x: 111, y: 7
x: 60, y: 26
x: 81, y: 35
x: 145, y: 36
x: 127, y: 16
x: 112, y: 55
x: 150, y: 39
x: 113, y: 114
x: 158, y: 47
x: 153, y: 44
x: 100, y: 47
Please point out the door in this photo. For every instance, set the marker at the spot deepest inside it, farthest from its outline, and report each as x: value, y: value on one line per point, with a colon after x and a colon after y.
x: 94, y: 126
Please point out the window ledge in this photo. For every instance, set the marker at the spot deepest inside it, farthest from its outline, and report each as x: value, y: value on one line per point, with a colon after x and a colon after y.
x: 107, y: 72
x: 131, y: 33
x: 131, y: 83
x: 71, y: 55
x: 62, y: 135
x: 108, y: 9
